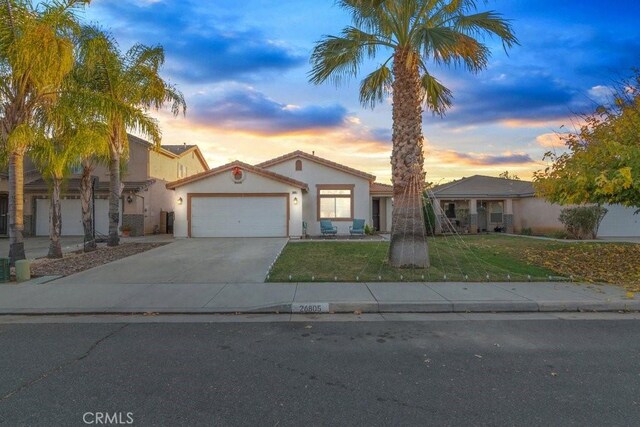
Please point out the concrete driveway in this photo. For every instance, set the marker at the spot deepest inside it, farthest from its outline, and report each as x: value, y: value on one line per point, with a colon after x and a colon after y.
x: 38, y: 247
x: 201, y: 260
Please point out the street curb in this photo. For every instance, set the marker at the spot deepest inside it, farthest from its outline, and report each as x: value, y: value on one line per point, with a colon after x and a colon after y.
x: 357, y: 307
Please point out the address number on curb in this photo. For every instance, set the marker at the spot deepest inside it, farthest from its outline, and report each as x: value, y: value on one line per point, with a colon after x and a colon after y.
x: 321, y: 307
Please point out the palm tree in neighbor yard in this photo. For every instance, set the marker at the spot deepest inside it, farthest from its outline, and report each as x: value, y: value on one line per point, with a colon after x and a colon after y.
x: 415, y: 34
x: 132, y: 83
x: 67, y: 135
x: 36, y: 54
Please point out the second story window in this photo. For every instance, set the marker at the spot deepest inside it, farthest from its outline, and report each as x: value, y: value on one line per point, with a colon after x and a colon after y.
x: 182, y: 171
x: 298, y: 165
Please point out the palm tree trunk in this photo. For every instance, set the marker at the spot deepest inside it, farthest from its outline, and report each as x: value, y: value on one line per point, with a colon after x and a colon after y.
x: 408, y: 246
x: 86, y: 197
x: 114, y: 198
x: 16, y: 206
x: 55, y: 221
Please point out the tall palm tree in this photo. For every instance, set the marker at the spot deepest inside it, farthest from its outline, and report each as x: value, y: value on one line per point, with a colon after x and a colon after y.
x: 416, y: 34
x: 36, y: 54
x: 131, y: 80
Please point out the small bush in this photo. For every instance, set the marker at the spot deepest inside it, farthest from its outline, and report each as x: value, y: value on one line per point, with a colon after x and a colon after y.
x: 526, y: 231
x: 369, y: 230
x: 429, y: 216
x: 582, y: 222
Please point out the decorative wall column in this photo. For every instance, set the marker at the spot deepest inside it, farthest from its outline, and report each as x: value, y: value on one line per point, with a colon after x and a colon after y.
x: 473, y: 216
x: 508, y: 215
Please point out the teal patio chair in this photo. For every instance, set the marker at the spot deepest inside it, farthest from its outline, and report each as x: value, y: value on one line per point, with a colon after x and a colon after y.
x: 327, y: 228
x: 357, y: 227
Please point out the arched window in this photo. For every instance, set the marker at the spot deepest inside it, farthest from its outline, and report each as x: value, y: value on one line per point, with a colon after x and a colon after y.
x: 298, y: 165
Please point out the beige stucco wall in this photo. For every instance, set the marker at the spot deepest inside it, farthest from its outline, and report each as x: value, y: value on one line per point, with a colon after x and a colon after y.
x: 537, y: 214
x: 223, y: 183
x: 166, y: 168
x: 136, y: 165
x: 313, y: 173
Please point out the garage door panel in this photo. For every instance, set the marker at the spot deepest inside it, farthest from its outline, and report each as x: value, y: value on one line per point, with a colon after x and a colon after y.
x: 620, y: 221
x: 72, y: 217
x: 238, y: 217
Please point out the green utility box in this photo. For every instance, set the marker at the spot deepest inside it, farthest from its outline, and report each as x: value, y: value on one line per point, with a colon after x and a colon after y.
x: 5, y: 270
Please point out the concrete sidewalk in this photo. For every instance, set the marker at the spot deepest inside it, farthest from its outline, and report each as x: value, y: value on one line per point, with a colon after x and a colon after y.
x: 52, y: 298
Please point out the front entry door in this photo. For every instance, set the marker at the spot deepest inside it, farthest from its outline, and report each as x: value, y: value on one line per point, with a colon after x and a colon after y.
x: 4, y: 210
x: 375, y: 214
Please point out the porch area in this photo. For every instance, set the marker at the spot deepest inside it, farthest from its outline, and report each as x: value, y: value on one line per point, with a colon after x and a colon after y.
x: 472, y: 216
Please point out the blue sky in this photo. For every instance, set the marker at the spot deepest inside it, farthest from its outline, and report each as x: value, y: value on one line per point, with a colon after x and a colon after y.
x: 243, y: 66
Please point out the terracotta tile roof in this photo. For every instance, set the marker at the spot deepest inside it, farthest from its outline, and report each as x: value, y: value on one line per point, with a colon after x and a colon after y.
x: 320, y: 160
x: 379, y: 188
x: 484, y: 186
x: 245, y: 166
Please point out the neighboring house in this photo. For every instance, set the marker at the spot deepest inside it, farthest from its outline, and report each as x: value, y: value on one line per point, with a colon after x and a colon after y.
x: 30, y: 174
x: 484, y: 203
x: 286, y: 196
x: 145, y: 201
x: 620, y: 222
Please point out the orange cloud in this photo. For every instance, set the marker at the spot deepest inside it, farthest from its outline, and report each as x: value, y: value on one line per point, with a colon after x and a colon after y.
x: 550, y: 140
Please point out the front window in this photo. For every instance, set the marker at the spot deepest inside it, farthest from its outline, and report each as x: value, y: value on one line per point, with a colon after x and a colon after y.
x: 496, y: 212
x: 335, y: 202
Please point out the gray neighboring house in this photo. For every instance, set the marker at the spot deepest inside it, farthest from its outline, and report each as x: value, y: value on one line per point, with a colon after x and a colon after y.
x: 484, y: 203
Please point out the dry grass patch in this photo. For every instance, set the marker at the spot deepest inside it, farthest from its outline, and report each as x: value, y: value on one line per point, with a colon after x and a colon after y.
x: 614, y: 263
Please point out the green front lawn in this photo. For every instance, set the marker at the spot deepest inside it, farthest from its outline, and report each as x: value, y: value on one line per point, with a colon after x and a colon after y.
x: 502, y: 257
x: 455, y: 258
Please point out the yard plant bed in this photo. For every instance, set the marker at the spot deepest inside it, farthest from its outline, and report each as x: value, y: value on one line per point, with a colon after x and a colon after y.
x: 468, y: 258
x: 76, y: 262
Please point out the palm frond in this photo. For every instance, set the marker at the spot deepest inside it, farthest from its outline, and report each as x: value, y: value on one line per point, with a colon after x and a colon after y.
x: 437, y: 97
x: 490, y: 23
x: 337, y: 58
x: 376, y: 86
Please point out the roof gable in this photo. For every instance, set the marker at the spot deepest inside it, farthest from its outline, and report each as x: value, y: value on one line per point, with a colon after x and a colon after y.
x: 182, y: 150
x: 485, y: 186
x: 245, y: 166
x: 312, y: 157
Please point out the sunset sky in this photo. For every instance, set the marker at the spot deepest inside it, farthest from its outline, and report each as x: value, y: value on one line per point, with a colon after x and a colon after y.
x: 243, y: 66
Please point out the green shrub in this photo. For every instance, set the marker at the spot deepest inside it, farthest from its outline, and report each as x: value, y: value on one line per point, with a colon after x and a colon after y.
x: 582, y: 222
x: 429, y: 216
x: 526, y: 231
x: 369, y: 230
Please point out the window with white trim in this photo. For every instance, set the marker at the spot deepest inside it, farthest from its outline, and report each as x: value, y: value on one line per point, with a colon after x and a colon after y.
x: 335, y: 203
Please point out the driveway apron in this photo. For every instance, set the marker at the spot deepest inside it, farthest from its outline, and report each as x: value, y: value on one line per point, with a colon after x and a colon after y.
x: 197, y: 260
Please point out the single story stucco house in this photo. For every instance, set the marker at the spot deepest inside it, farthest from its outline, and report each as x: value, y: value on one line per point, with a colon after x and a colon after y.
x: 286, y: 196
x: 484, y: 203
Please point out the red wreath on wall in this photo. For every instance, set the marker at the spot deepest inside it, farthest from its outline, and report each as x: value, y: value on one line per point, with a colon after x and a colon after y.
x: 237, y: 173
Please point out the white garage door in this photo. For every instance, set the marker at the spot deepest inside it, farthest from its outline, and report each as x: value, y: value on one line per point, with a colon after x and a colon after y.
x: 238, y: 217
x: 72, y: 217
x: 620, y: 222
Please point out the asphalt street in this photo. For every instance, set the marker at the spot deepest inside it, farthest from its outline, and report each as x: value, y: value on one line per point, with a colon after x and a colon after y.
x: 472, y: 372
